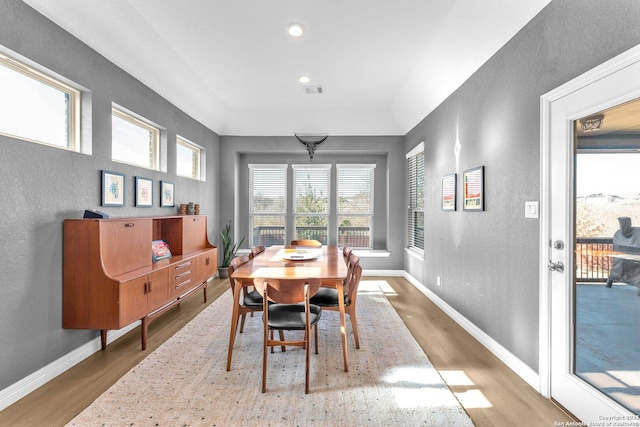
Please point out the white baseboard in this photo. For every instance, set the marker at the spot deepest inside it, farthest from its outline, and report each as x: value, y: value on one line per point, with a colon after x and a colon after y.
x: 389, y: 273
x: 515, y: 364
x: 17, y: 391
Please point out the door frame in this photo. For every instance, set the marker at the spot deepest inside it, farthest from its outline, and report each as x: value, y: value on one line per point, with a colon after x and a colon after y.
x: 620, y: 62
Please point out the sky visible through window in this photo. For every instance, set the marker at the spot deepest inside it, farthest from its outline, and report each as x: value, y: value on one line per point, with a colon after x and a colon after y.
x: 131, y: 143
x: 25, y: 102
x: 607, y: 173
x: 185, y: 161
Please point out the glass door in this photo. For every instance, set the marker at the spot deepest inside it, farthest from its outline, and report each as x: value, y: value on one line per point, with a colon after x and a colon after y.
x: 589, y: 161
x: 606, y: 285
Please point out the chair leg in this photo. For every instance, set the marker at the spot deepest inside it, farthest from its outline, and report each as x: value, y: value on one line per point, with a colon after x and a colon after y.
x: 308, y: 359
x: 315, y: 333
x: 244, y: 315
x: 354, y: 326
x: 264, y: 357
x: 281, y: 333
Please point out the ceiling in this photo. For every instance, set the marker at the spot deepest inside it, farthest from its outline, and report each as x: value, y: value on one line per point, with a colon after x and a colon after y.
x: 619, y: 129
x: 230, y: 64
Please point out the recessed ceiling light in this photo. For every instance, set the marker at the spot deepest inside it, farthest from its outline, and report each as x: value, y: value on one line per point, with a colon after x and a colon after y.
x: 304, y: 79
x: 295, y: 29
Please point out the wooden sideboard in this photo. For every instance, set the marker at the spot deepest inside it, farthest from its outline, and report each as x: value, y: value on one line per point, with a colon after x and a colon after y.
x: 111, y: 281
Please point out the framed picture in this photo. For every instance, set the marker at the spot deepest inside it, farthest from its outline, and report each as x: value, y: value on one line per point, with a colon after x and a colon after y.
x: 473, y: 189
x: 449, y: 192
x: 112, y: 189
x: 167, y: 192
x: 144, y: 192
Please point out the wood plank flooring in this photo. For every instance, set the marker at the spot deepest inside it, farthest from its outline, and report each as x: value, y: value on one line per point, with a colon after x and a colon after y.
x: 491, y: 393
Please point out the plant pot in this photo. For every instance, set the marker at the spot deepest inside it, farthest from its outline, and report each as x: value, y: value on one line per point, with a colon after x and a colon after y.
x: 223, y: 273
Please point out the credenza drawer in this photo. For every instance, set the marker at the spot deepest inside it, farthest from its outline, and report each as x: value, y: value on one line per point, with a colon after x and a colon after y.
x: 125, y: 245
x: 182, y: 277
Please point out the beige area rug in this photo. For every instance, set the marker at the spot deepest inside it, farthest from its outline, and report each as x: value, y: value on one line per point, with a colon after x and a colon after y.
x: 185, y: 383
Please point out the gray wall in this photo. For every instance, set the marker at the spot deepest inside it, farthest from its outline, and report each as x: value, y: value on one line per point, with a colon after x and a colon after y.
x: 489, y: 261
x: 41, y: 186
x: 387, y: 152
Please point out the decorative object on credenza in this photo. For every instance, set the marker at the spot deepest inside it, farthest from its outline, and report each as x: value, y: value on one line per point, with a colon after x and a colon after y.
x: 144, y: 192
x: 189, y: 209
x: 449, y: 192
x: 473, y: 189
x: 167, y: 194
x: 229, y: 250
x: 94, y: 214
x: 311, y: 141
x: 113, y: 189
x: 160, y: 250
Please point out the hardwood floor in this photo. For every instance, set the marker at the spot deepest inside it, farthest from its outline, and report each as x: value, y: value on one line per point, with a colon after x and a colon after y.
x: 491, y: 393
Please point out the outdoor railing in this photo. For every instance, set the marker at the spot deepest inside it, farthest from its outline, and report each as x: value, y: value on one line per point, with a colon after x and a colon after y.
x: 592, y: 262
x: 355, y: 237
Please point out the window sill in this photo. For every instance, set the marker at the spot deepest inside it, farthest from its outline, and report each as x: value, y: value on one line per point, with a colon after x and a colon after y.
x: 369, y: 253
x: 415, y: 253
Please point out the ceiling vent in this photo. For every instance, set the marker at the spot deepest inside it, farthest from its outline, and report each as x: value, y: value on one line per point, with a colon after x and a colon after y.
x: 311, y: 90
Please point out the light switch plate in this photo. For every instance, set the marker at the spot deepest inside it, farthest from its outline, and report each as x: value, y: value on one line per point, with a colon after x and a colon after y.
x: 531, y: 209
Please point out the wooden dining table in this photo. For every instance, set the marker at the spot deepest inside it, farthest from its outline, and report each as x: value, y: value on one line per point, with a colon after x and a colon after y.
x: 279, y: 262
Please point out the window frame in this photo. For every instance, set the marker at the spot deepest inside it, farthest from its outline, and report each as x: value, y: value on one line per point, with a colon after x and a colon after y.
x: 74, y: 96
x: 415, y: 197
x: 154, y: 131
x: 197, y: 162
x: 370, y: 168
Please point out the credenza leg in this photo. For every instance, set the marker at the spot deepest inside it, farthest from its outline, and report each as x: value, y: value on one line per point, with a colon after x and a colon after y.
x: 103, y: 338
x: 143, y: 332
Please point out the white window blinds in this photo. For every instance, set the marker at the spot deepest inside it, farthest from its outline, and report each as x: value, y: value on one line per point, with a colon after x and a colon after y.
x: 312, y: 195
x: 267, y: 204
x: 415, y: 179
x: 355, y: 205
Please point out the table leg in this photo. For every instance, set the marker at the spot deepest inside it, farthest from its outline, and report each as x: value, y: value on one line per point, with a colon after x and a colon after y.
x: 234, y: 320
x: 343, y: 327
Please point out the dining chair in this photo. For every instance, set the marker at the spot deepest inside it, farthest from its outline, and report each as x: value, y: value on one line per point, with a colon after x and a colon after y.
x: 327, y: 298
x: 306, y: 243
x: 287, y: 312
x: 256, y: 250
x: 251, y: 301
x: 346, y: 253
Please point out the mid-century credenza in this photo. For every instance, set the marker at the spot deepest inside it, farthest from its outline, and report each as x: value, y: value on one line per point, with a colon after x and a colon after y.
x: 110, y: 278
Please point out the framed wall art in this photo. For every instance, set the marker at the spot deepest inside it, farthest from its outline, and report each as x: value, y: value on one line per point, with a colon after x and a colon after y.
x: 473, y: 189
x: 167, y: 193
x: 449, y: 192
x: 112, y: 189
x: 144, y: 192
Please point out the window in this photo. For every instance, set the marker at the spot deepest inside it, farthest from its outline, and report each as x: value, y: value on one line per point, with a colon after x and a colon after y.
x: 311, y: 185
x: 415, y: 178
x: 355, y: 205
x: 37, y: 107
x: 188, y: 158
x: 267, y: 204
x: 134, y: 140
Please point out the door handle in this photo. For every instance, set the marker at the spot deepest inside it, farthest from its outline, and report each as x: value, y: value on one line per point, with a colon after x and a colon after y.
x: 555, y: 266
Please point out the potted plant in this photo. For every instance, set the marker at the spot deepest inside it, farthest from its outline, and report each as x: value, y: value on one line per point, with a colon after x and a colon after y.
x: 229, y: 250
